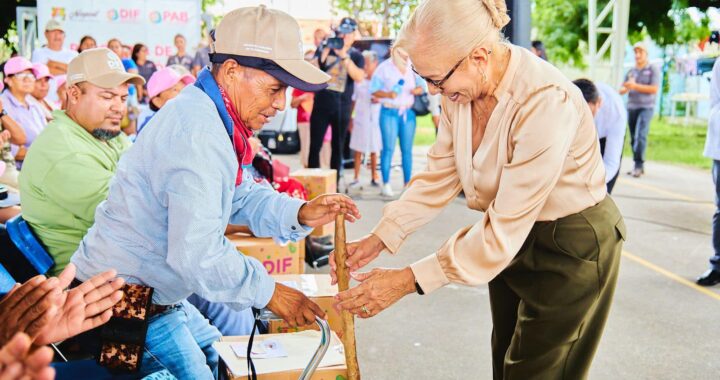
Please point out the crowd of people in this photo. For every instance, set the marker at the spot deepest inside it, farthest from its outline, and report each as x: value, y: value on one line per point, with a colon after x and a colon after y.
x: 62, y: 155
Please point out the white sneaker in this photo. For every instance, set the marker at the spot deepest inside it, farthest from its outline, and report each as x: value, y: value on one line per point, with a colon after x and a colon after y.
x: 387, y: 190
x: 355, y: 188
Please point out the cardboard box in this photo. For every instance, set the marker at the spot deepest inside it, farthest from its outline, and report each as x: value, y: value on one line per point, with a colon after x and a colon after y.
x: 318, y: 182
x: 316, y: 287
x: 277, y: 259
x: 300, y: 348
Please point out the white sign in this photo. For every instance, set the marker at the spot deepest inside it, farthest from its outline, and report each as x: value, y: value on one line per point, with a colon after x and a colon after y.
x: 153, y: 23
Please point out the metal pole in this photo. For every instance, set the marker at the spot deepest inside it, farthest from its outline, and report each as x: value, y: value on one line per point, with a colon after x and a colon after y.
x: 592, y: 37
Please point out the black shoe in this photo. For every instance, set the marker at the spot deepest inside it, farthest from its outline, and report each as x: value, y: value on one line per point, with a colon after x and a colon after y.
x: 709, y: 278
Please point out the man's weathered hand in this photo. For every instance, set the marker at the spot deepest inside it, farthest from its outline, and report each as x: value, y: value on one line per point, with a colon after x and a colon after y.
x: 323, y: 209
x: 29, y: 307
x: 293, y: 306
x: 16, y: 361
x: 84, y: 307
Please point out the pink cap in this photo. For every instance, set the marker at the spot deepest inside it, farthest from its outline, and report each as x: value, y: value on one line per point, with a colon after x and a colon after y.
x: 41, y: 70
x: 60, y: 80
x: 16, y: 65
x: 165, y: 79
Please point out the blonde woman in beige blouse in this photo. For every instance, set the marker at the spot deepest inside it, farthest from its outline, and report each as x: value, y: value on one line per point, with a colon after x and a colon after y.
x: 518, y: 139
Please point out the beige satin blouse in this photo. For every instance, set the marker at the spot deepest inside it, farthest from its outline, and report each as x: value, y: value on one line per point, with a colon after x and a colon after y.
x: 539, y: 160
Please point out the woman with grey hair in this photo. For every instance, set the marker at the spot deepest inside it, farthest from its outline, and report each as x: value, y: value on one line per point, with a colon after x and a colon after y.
x: 517, y: 137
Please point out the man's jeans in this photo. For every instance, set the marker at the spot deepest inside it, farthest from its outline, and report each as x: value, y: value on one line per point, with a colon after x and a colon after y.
x: 715, y: 260
x: 180, y: 340
x: 639, y: 122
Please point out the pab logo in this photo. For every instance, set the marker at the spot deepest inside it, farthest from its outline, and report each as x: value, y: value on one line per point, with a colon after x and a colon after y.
x: 173, y: 17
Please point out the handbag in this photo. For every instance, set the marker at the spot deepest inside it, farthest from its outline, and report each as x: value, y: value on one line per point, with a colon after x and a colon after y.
x: 281, y: 135
x: 421, y: 106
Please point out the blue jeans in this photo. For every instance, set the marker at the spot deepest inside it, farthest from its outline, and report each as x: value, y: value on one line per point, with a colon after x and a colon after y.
x: 392, y: 126
x: 229, y: 321
x: 715, y: 259
x: 180, y: 341
x: 639, y: 122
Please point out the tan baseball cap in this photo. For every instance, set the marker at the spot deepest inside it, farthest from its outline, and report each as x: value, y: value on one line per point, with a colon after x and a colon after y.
x: 54, y: 25
x: 101, y: 67
x: 267, y: 35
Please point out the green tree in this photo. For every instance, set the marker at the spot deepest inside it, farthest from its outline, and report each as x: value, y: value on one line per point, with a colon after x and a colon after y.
x: 390, y: 13
x: 563, y: 24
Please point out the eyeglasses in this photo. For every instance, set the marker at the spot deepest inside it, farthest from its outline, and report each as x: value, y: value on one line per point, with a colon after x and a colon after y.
x: 439, y: 83
x: 24, y: 76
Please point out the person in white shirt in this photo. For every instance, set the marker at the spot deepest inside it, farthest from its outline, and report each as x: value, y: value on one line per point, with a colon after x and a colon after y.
x: 712, y: 150
x: 610, y: 116
x: 54, y: 55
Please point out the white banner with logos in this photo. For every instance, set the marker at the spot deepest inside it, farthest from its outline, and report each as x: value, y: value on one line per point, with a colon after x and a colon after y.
x: 153, y: 23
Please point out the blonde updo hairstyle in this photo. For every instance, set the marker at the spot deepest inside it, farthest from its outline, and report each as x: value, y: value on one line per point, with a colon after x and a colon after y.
x: 452, y: 28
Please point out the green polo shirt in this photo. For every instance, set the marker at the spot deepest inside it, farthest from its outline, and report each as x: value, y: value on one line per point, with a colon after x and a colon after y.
x: 65, y: 175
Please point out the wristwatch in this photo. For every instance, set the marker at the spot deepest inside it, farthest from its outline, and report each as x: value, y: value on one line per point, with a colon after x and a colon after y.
x: 3, y: 113
x: 418, y: 289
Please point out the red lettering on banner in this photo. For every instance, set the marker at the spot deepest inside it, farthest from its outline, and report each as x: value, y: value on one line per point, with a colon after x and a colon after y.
x: 163, y: 50
x: 129, y: 14
x: 171, y: 16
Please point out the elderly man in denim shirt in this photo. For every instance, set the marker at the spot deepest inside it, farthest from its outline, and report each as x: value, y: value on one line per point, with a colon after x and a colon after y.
x: 183, y: 181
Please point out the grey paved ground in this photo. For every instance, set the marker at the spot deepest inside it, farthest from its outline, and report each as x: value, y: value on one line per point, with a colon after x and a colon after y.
x: 661, y: 327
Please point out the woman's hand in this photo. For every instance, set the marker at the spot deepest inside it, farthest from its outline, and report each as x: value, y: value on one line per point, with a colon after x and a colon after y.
x: 359, y: 253
x: 378, y: 289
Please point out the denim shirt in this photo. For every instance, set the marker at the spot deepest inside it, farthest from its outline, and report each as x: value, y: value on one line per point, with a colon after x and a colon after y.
x: 169, y: 203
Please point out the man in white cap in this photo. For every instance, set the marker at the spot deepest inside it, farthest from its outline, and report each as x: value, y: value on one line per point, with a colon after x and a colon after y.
x: 184, y: 181
x: 54, y: 54
x: 641, y: 84
x: 67, y: 172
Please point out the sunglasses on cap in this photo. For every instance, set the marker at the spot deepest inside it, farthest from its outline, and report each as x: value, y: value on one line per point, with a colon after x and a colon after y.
x: 23, y: 76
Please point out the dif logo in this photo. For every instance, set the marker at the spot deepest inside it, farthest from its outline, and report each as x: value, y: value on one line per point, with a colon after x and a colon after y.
x: 172, y: 17
x: 123, y: 15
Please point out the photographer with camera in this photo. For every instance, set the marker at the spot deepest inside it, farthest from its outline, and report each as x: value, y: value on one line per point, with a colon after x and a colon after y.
x: 333, y: 106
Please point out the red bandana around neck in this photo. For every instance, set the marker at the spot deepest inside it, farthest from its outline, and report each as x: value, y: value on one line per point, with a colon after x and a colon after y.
x: 240, y: 137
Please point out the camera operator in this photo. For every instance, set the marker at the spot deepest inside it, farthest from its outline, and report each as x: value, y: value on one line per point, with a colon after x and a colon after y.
x: 333, y: 106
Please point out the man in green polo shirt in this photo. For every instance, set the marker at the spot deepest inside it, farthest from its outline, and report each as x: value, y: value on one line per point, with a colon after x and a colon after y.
x: 67, y: 172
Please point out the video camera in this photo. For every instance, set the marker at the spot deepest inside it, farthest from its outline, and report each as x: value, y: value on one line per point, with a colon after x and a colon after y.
x: 347, y: 26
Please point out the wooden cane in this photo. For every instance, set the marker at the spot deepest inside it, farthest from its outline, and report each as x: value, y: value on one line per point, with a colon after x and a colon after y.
x: 343, y: 275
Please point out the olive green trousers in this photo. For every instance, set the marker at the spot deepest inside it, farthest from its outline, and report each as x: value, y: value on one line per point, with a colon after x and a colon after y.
x: 549, y: 306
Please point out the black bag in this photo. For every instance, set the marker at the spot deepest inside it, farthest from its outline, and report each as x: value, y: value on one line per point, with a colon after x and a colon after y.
x: 281, y: 142
x: 421, y: 105
x: 286, y: 138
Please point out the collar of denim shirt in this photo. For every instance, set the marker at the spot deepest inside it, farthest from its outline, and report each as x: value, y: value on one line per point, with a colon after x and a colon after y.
x: 209, y: 86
